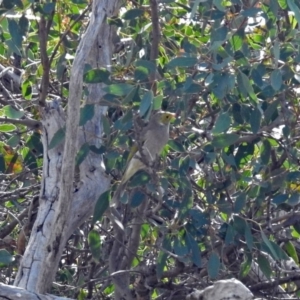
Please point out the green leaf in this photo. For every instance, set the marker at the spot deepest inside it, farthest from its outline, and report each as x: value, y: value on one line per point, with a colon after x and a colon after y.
x: 255, y: 120
x: 276, y: 80
x: 248, y: 236
x: 264, y: 265
x: 137, y: 198
x: 218, y: 37
x: 230, y: 234
x: 240, y: 203
x: 96, y: 76
x: 7, y: 127
x: 294, y: 8
x: 239, y: 224
x: 218, y: 4
x: 297, y: 228
x: 14, y: 140
x: 276, y: 53
x: 244, y: 82
x: 184, y: 165
x: 224, y: 140
x: 132, y: 14
x: 194, y: 249
x: 101, y: 206
x: 96, y: 150
x: 293, y: 176
x: 286, y: 131
x: 146, y: 103
x: 187, y: 199
x: 222, y: 124
x: 149, y: 65
x: 12, y: 113
x: 129, y: 97
x: 15, y: 33
x: 19, y: 3
x: 271, y: 111
x: 2, y: 164
x: 23, y: 25
x: 157, y: 101
x: 82, y: 153
x: 246, y: 266
x: 29, y: 159
x: 5, y: 257
x: 199, y: 218
x: 237, y: 113
x: 245, y: 151
x: 12, y: 47
x: 8, y: 4
x: 176, y: 146
x: 127, y: 117
x: 82, y: 293
x: 162, y: 257
x: 141, y: 73
x: 269, y: 245
x: 282, y: 4
x: 94, y: 244
x: 139, y: 179
x: 34, y: 143
x: 194, y: 9
x: 251, y: 12
x: 279, y: 199
x: 48, y: 8
x: 236, y: 42
x: 213, y: 265
x: 61, y: 66
x: 106, y: 125
x: 180, y: 248
x: 57, y: 138
x: 266, y: 152
x: 115, y: 21
x: 291, y: 251
x: 118, y: 89
x: 86, y: 113
x: 229, y: 159
x: 294, y: 199
x: 27, y: 89
x: 184, y: 62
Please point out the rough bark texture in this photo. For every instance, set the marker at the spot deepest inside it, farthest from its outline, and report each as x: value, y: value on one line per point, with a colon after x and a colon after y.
x: 61, y: 208
x: 230, y: 289
x: 9, y: 292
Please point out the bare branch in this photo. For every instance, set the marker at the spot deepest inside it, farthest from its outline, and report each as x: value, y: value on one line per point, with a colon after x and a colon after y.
x: 27, y: 122
x: 155, y: 40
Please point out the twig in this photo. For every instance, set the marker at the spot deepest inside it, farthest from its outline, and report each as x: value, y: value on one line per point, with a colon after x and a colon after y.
x: 43, y: 35
x: 273, y: 283
x: 10, y: 227
x: 66, y: 32
x: 27, y: 122
x: 155, y: 40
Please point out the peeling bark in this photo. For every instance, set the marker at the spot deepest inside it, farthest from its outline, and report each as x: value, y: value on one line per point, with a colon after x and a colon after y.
x: 9, y: 292
x: 61, y: 208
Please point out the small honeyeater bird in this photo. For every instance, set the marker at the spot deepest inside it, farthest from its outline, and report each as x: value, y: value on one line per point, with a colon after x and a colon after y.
x: 153, y: 138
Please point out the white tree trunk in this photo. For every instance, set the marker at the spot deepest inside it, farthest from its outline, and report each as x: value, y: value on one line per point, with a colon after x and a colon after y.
x: 61, y: 208
x: 15, y: 293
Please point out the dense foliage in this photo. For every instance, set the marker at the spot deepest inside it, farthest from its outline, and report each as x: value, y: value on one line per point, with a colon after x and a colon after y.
x: 230, y: 173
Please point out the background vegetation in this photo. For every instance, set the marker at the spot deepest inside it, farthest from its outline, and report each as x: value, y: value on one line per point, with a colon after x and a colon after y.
x: 229, y: 70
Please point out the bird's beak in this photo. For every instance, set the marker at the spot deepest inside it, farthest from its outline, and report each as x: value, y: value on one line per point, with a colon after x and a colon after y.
x: 173, y: 117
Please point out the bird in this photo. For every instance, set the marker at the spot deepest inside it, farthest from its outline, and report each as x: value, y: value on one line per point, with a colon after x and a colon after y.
x: 152, y: 140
